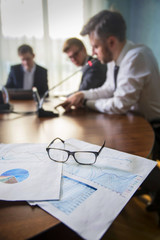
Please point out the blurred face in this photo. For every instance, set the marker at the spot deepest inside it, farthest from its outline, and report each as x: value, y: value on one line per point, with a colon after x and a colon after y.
x: 77, y: 55
x: 27, y: 60
x: 101, y: 49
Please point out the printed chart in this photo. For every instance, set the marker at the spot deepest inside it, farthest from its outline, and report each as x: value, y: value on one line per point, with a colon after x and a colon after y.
x: 27, y: 173
x: 14, y: 176
x: 93, y: 195
x: 78, y: 190
x: 115, y: 180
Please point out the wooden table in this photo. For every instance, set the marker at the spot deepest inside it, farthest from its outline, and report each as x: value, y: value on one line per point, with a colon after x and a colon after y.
x: 128, y: 133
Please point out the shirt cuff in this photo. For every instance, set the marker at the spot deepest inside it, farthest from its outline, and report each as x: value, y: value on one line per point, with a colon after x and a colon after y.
x: 87, y: 94
x: 90, y: 104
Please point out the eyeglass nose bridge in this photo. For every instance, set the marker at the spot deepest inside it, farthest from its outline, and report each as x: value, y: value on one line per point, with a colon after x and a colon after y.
x: 73, y: 155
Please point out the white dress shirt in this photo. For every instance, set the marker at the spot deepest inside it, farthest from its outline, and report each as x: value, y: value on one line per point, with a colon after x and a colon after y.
x: 28, y: 78
x: 138, y: 85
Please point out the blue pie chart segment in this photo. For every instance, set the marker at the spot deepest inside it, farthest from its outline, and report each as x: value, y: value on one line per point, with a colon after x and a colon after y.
x: 14, y: 175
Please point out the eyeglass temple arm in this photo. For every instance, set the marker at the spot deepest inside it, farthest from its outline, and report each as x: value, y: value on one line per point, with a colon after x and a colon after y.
x: 54, y: 140
x: 102, y: 147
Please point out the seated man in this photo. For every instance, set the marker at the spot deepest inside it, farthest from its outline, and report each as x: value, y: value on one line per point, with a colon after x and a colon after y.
x: 133, y: 79
x: 28, y: 73
x: 137, y: 84
x: 92, y: 76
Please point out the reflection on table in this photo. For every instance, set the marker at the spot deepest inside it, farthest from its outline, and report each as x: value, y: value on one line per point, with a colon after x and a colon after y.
x: 128, y: 133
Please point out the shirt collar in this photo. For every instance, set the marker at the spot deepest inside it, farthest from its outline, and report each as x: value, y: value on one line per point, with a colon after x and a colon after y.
x: 85, y: 63
x: 125, y: 49
x: 86, y: 60
x: 32, y: 70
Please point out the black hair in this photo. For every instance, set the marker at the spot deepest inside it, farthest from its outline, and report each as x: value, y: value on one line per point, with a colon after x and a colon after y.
x: 106, y: 23
x: 25, y: 49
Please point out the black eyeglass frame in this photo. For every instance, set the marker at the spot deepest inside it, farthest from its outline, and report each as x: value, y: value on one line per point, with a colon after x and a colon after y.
x: 70, y: 153
x: 75, y: 54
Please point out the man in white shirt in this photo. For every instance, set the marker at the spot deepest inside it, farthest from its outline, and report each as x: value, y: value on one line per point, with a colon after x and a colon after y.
x: 136, y: 87
x: 138, y: 81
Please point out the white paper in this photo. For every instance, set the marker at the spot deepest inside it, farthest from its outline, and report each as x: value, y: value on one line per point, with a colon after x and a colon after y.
x: 93, y: 196
x: 27, y: 173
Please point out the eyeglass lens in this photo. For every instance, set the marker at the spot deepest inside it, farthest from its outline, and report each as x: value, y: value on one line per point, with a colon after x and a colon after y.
x: 58, y: 155
x: 74, y: 55
x: 85, y: 157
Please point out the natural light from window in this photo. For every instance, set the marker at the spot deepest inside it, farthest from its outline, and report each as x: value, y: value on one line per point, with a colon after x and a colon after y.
x: 22, y: 18
x: 65, y: 18
x: 25, y: 18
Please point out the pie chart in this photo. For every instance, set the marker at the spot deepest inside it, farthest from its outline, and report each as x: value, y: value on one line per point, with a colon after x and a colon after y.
x: 14, y: 175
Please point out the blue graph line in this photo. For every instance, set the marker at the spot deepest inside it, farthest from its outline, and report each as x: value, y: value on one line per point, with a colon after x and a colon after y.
x: 116, y: 180
x: 74, y: 193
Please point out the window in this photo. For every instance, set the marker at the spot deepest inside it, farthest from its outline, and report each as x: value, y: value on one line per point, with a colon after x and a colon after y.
x: 65, y: 18
x: 22, y: 18
x: 44, y: 24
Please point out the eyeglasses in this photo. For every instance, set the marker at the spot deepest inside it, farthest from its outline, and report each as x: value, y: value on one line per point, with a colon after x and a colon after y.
x: 62, y: 155
x: 74, y: 55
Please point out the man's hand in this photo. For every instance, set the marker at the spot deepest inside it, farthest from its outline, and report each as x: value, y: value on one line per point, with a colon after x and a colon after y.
x: 75, y: 100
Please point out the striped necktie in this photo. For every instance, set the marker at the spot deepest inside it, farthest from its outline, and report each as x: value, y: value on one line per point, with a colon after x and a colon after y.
x: 116, y: 69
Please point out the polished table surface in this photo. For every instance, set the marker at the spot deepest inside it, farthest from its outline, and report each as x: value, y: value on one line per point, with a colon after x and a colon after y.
x: 128, y: 133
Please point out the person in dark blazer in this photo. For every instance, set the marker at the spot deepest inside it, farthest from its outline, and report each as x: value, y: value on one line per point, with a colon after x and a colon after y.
x: 94, y: 73
x: 27, y: 74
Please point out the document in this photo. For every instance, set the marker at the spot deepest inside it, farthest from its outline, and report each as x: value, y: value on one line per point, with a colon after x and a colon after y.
x: 92, y: 196
x: 27, y: 173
